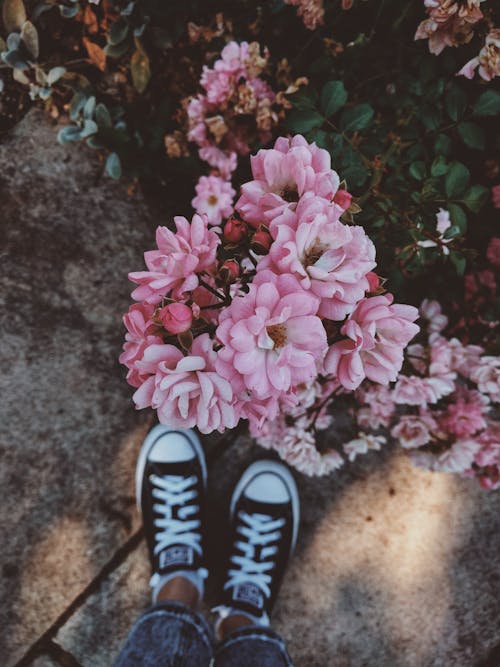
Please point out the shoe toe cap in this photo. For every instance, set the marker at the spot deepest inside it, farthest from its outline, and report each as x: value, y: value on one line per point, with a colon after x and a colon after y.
x: 171, y: 448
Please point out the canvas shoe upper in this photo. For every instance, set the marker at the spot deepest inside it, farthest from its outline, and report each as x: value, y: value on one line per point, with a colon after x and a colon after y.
x: 264, y: 520
x: 171, y: 481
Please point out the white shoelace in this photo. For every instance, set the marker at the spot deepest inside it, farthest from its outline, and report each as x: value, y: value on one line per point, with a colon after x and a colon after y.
x: 173, y: 490
x: 260, y: 530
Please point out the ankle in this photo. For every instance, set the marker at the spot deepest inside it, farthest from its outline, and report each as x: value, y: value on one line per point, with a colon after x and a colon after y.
x: 179, y: 589
x: 232, y: 623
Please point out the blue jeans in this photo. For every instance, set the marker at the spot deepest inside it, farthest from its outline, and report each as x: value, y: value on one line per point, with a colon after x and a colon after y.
x: 172, y: 635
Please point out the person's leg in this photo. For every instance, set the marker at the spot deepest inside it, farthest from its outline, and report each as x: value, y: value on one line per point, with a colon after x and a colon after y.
x: 264, y: 523
x: 171, y: 480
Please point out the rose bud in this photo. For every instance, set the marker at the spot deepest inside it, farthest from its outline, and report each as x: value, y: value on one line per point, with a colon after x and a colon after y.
x: 373, y: 281
x: 176, y: 317
x: 343, y: 199
x: 261, y: 241
x: 234, y: 230
x: 229, y: 271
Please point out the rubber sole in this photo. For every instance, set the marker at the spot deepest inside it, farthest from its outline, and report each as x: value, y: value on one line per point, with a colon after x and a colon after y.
x: 282, y: 471
x: 153, y: 435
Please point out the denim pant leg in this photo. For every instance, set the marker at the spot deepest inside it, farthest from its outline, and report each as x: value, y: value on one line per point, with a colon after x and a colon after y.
x: 252, y: 646
x: 168, y: 635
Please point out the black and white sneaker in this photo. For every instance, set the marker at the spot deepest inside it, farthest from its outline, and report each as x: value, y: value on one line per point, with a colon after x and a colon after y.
x: 171, y: 479
x: 264, y: 524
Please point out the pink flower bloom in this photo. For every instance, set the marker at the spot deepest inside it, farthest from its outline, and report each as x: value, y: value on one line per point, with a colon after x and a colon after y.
x: 449, y: 23
x: 443, y: 221
x: 180, y: 257
x: 459, y: 457
x: 488, y: 59
x: 493, y: 252
x: 363, y: 444
x: 431, y: 311
x: 176, y: 317
x: 414, y: 430
x: 343, y: 199
x: 282, y: 175
x: 328, y: 258
x: 488, y: 457
x: 272, y: 338
x: 186, y: 391
x: 377, y: 332
x: 378, y: 406
x: 311, y: 11
x: 464, y: 417
x: 495, y: 195
x: 487, y: 377
x: 464, y: 357
x: 214, y: 197
x: 295, y: 443
x: 411, y: 390
x: 138, y: 338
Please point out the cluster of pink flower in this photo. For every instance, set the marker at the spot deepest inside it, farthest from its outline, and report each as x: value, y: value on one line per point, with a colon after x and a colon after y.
x: 452, y: 23
x: 441, y: 409
x: 235, y: 109
x: 245, y: 320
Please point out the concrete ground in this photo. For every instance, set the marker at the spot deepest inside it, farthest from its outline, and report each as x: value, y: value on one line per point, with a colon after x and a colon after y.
x: 395, y: 567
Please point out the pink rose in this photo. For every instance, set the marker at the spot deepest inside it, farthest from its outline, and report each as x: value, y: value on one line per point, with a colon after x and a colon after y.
x: 140, y: 335
x: 377, y: 332
x: 214, y: 197
x: 271, y: 337
x: 282, y: 175
x: 186, y: 390
x: 414, y: 430
x: 176, y: 317
x: 181, y: 255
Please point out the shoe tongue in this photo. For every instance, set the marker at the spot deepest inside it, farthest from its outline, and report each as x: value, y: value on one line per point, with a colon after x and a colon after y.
x: 249, y: 596
x: 178, y: 555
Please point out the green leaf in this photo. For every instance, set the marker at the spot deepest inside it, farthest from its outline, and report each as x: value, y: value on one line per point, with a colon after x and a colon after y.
x: 89, y: 127
x: 304, y: 98
x: 333, y: 97
x: 455, y: 102
x: 68, y: 134
x: 102, y: 116
x: 55, y: 74
x: 29, y: 35
x: 302, y: 120
x: 118, y: 32
x: 356, y: 118
x: 417, y: 170
x: 472, y: 135
x: 443, y: 145
x: 458, y: 262
x: 113, y: 166
x: 439, y: 167
x: 458, y: 217
x: 475, y: 197
x: 76, y: 105
x: 89, y: 107
x: 69, y: 12
x: 456, y: 180
x: 488, y: 104
x: 140, y: 68
x: 452, y: 232
x: 13, y: 14
x: 118, y: 50
x: 15, y: 59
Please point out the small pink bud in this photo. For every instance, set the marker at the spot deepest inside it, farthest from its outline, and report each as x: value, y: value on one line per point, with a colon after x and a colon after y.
x: 229, y: 271
x: 343, y: 199
x: 234, y: 230
x: 261, y: 241
x: 176, y: 317
x: 373, y: 281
